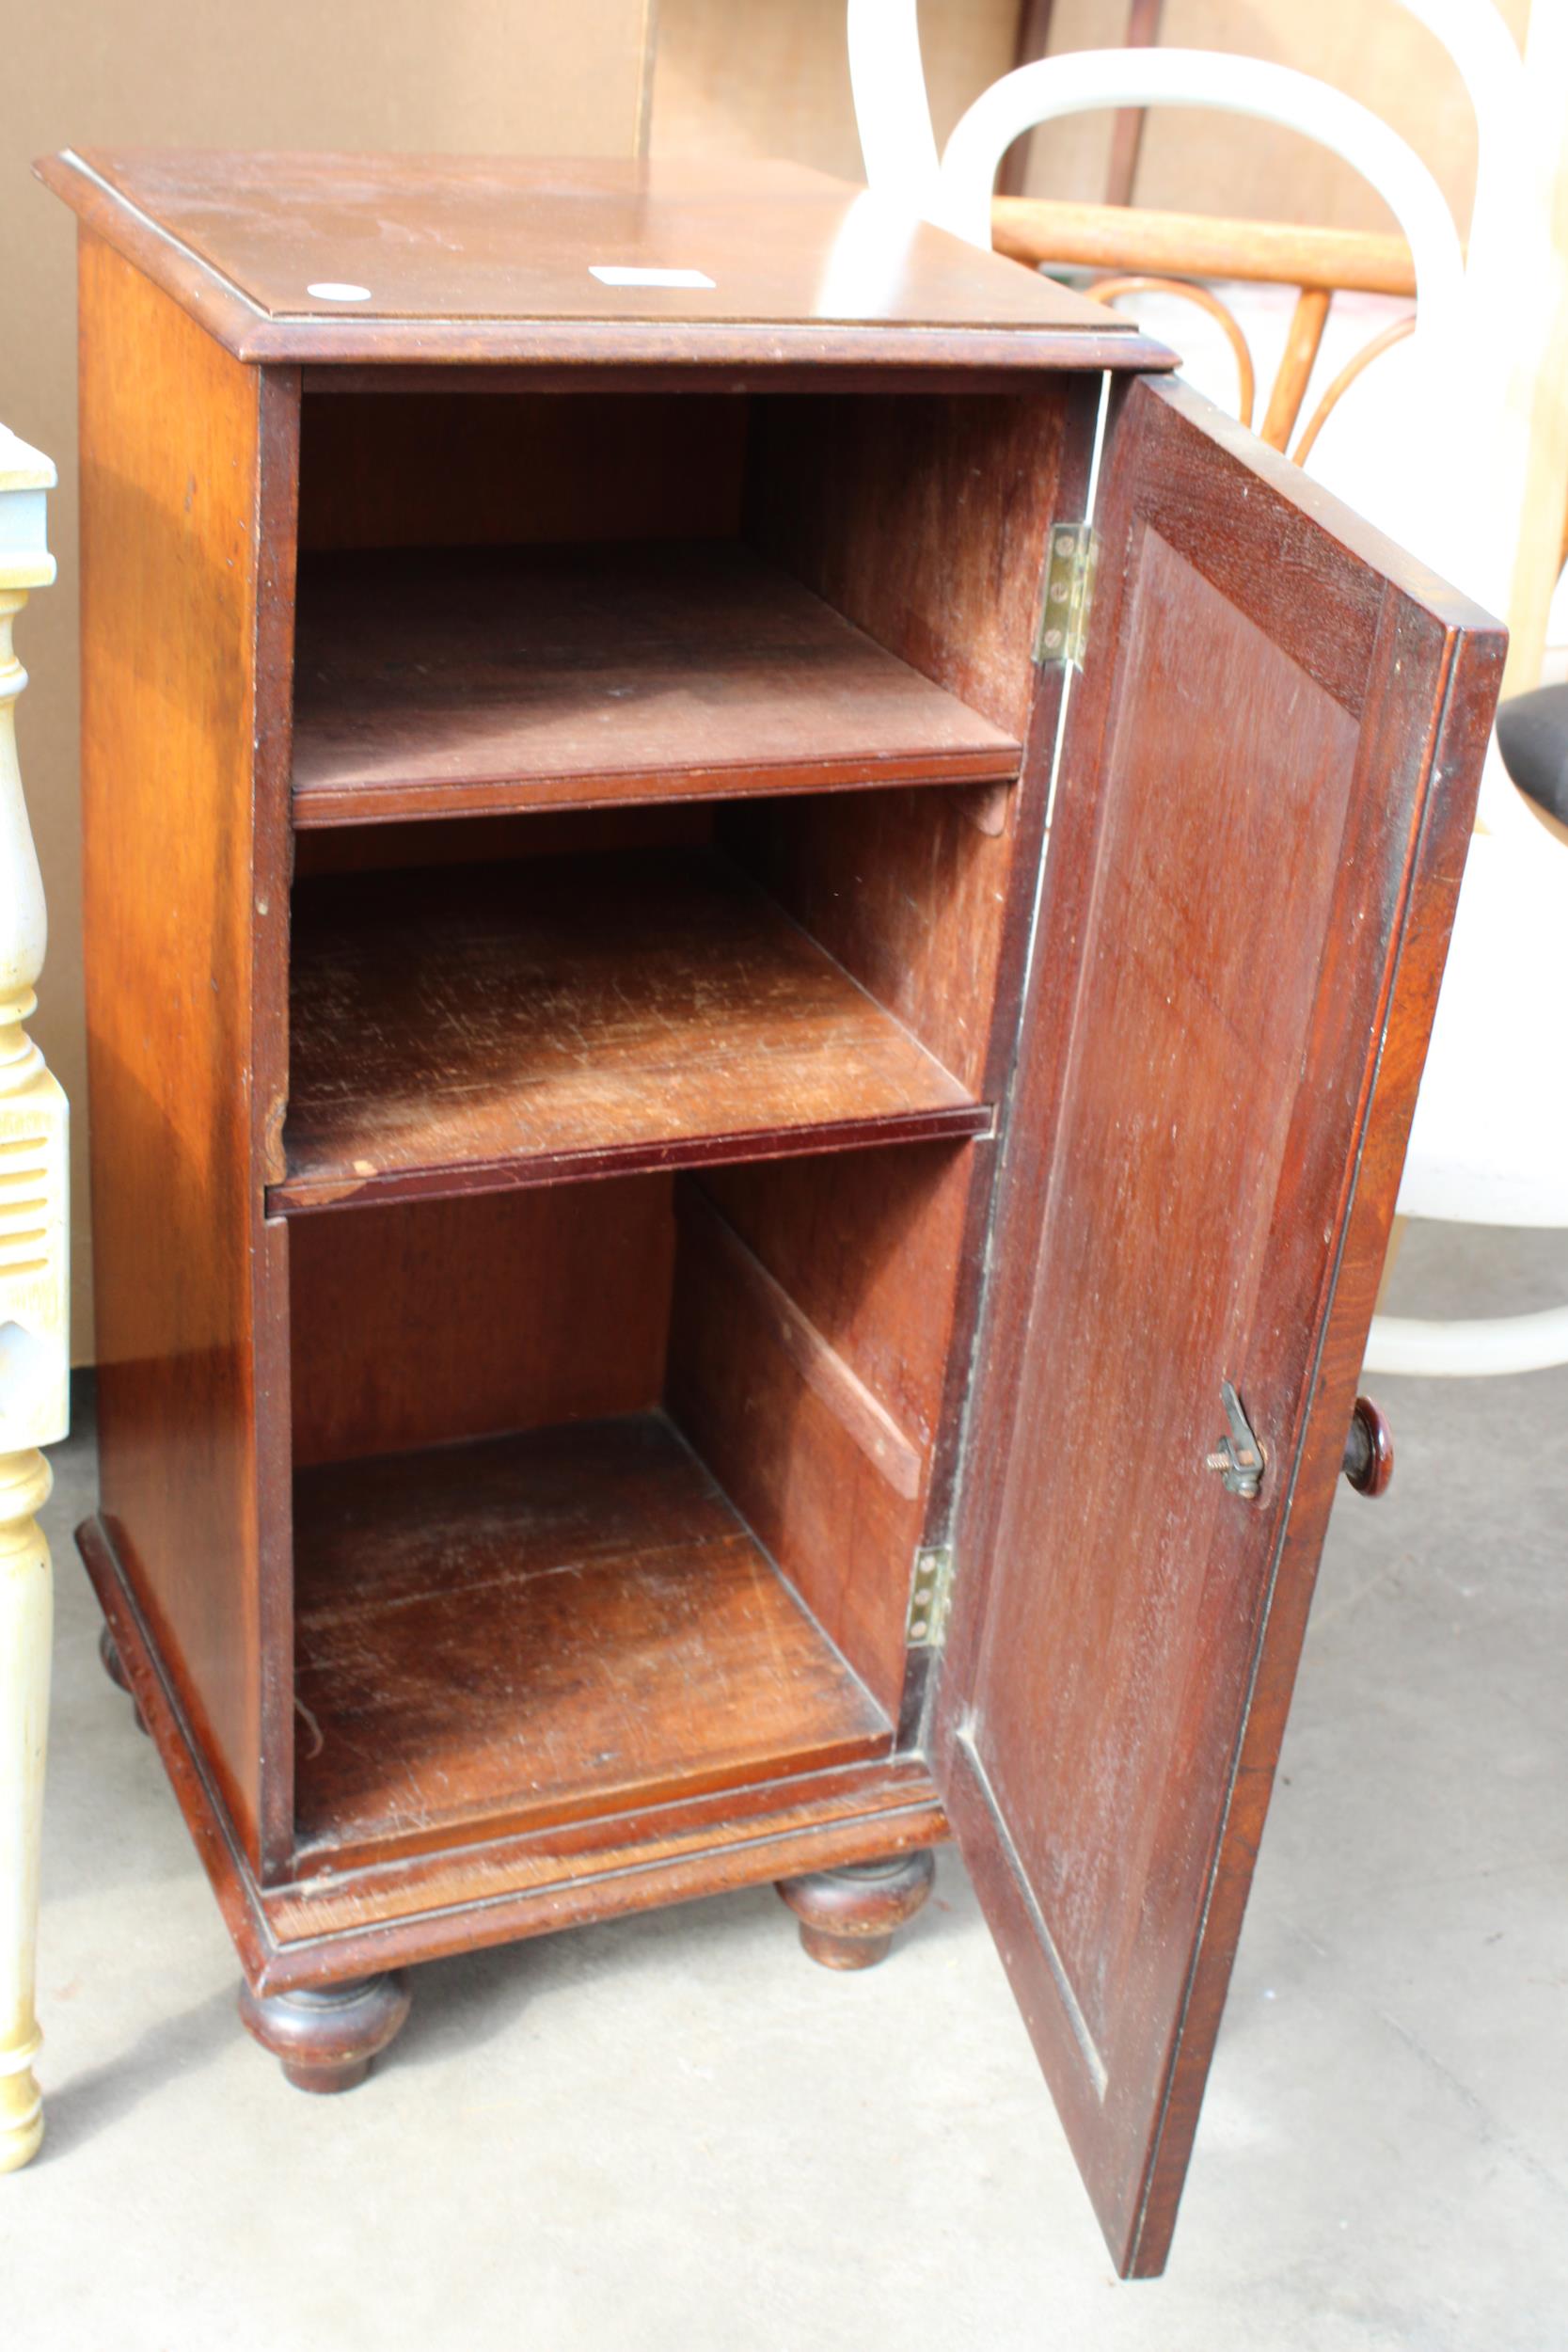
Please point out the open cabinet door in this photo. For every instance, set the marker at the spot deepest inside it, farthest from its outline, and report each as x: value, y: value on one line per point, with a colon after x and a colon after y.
x: 1268, y: 775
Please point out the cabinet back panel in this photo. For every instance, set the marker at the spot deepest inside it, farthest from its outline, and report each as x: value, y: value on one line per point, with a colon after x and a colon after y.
x: 424, y: 470
x: 418, y: 1324
x: 480, y: 840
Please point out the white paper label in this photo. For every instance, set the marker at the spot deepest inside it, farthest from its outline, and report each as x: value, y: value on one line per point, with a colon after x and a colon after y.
x: 611, y: 274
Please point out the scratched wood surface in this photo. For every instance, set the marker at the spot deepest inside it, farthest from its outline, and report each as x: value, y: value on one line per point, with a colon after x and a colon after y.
x: 535, y: 1882
x: 492, y: 1026
x: 486, y: 257
x: 1270, y: 772
x: 439, y: 681
x: 616, y: 1634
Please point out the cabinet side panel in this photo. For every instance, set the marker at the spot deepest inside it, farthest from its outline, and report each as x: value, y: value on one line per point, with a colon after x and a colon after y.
x: 909, y: 891
x: 813, y: 1318
x: 922, y: 518
x: 171, y: 434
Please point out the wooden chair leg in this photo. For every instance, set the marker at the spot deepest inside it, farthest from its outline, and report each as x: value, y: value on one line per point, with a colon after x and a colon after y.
x: 849, y: 1917
x: 1302, y: 346
x: 325, y: 2036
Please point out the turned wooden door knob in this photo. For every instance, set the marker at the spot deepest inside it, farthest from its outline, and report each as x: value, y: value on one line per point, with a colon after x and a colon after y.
x: 1368, y: 1462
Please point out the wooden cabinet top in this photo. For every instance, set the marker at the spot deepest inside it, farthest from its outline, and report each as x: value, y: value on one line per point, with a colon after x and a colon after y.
x: 299, y: 258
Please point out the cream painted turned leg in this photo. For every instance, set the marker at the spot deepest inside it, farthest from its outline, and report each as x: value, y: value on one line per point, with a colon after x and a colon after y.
x: 26, y: 1610
x: 34, y: 1288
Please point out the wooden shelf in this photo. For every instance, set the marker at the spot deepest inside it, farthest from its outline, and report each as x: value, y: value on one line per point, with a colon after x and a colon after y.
x: 545, y: 1628
x: 472, y: 1027
x: 445, y: 681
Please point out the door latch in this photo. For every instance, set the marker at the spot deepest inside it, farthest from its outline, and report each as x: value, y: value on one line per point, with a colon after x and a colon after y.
x: 1238, y: 1456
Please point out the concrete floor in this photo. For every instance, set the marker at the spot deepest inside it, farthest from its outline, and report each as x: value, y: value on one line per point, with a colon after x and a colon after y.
x: 673, y: 2134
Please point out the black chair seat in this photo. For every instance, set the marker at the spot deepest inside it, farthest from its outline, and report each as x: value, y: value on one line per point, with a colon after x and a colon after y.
x: 1532, y: 737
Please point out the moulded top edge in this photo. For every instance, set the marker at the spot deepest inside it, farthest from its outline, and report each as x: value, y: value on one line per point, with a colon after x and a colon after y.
x: 342, y: 258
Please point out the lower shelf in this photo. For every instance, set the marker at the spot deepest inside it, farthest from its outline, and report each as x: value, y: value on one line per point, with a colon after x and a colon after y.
x: 542, y: 1629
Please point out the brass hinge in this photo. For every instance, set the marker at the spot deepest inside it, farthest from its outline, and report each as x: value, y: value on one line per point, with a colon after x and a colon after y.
x: 930, y: 1597
x: 1064, y: 622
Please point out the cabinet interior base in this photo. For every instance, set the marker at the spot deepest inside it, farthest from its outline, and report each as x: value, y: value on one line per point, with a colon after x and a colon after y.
x: 352, y: 1923
x: 541, y: 1628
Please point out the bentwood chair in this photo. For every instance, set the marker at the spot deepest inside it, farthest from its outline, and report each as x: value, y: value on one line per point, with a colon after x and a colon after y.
x: 1490, y: 1141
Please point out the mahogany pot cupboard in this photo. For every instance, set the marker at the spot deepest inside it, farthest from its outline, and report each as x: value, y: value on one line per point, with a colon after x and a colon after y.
x: 745, y: 1112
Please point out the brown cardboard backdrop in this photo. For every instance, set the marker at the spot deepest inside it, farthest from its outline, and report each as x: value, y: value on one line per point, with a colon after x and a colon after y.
x: 768, y: 76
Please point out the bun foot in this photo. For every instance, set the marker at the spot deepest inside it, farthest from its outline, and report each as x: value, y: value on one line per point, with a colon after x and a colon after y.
x: 114, y: 1667
x: 325, y: 2036
x: 849, y: 1917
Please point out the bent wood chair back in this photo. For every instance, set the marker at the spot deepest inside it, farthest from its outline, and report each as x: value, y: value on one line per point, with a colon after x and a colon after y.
x: 1490, y: 1140
x: 1188, y: 256
x: 958, y: 193
x: 1465, y: 331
